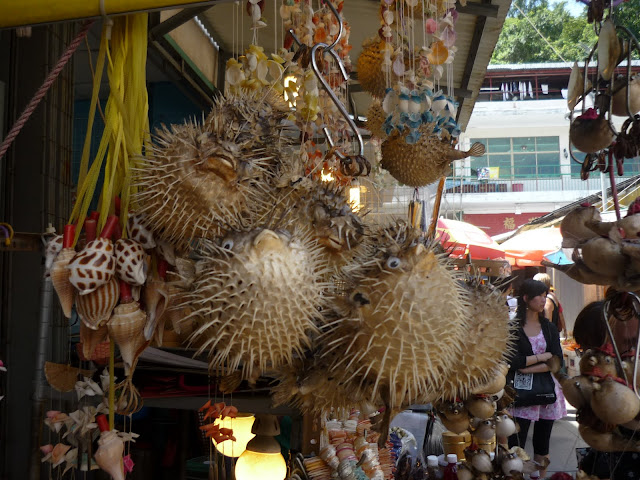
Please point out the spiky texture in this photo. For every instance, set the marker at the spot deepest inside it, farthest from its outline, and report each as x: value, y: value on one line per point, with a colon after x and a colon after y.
x: 303, y: 202
x: 416, y: 164
x: 256, y: 297
x: 402, y: 319
x: 376, y: 118
x: 199, y: 178
x: 369, y: 66
x: 489, y: 337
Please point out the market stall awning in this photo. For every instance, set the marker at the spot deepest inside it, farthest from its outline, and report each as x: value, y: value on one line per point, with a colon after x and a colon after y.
x: 461, y: 238
x: 528, y: 248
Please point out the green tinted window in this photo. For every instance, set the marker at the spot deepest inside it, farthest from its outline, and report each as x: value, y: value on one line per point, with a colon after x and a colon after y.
x: 547, y: 144
x: 499, y: 145
x: 524, y: 165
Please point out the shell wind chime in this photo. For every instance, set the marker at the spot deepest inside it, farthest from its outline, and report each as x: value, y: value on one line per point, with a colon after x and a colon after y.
x: 412, y: 115
x: 256, y: 297
x: 616, y: 92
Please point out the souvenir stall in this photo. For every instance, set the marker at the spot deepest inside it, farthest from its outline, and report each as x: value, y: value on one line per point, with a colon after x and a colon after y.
x: 233, y: 237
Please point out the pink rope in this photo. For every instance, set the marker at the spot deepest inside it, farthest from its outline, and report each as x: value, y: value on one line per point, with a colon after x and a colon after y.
x: 15, y: 130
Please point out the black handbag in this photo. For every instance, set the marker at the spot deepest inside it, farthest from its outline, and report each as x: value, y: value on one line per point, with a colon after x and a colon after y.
x: 533, y: 388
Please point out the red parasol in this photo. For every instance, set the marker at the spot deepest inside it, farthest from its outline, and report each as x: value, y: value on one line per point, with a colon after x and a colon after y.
x: 526, y: 249
x: 460, y: 238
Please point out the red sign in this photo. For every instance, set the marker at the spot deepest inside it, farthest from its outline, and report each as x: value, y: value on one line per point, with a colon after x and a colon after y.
x: 496, y: 223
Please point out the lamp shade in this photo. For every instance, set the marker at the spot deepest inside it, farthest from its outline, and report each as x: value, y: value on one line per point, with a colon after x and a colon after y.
x: 265, y: 466
x: 241, y: 426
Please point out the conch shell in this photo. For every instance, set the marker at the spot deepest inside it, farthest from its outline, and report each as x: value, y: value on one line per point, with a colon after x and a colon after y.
x: 109, y: 453
x: 90, y: 339
x: 60, y: 280
x: 95, y: 307
x: 130, y: 261
x: 93, y: 266
x: 126, y: 328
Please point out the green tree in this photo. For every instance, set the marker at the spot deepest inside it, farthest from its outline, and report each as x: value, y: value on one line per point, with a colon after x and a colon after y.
x: 522, y: 39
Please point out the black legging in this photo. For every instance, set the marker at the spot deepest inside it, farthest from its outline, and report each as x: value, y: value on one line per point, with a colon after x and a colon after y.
x: 541, y: 435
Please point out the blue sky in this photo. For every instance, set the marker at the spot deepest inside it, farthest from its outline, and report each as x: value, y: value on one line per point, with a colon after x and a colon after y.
x: 574, y: 7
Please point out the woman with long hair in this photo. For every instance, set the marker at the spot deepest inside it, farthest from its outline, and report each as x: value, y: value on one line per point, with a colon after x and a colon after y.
x: 538, y: 340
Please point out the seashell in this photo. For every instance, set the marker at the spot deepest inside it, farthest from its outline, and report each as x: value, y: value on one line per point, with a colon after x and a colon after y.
x: 614, y: 403
x: 388, y: 16
x: 575, y: 90
x: 185, y: 275
x: 590, y: 132
x: 54, y: 246
x: 480, y: 407
x: 438, y: 54
x: 130, y: 261
x: 608, y: 49
x: 431, y: 26
x: 108, y: 456
x: 126, y: 329
x: 90, y: 339
x: 512, y: 463
x: 166, y: 251
x: 93, y: 266
x: 138, y: 231
x: 63, y: 377
x: 481, y: 461
x: 100, y: 353
x: 619, y: 100
x: 448, y: 37
x: 96, y: 307
x: 60, y: 279
x: 156, y: 299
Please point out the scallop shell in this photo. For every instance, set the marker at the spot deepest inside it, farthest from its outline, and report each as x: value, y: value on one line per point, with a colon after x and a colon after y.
x: 608, y: 49
x: 60, y: 279
x: 438, y: 54
x: 63, y: 377
x: 138, y: 231
x: 130, y: 261
x: 96, y: 307
x: 126, y: 328
x: 93, y: 267
x: 90, y: 339
x: 54, y: 246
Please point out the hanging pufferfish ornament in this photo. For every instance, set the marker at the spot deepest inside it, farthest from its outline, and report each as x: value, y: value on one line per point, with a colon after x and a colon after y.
x: 200, y: 177
x: 402, y: 313
x: 255, y: 298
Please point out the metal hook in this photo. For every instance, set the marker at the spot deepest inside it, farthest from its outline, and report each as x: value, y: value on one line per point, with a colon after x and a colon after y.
x: 636, y: 308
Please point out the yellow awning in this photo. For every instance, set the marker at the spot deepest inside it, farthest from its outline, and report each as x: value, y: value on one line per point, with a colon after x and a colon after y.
x: 15, y: 13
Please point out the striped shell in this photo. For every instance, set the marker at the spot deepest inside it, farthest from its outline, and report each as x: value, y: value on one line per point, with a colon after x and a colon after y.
x: 54, y: 246
x: 130, y: 261
x: 139, y: 232
x: 96, y: 307
x: 93, y: 267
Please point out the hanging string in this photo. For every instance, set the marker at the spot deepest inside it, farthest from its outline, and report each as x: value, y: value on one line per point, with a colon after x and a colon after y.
x: 539, y: 32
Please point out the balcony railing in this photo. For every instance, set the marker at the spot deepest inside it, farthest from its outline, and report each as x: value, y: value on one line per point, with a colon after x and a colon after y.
x: 561, y: 183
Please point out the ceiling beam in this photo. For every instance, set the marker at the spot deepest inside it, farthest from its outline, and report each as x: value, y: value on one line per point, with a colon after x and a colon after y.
x: 175, y: 21
x: 473, y: 53
x: 478, y: 9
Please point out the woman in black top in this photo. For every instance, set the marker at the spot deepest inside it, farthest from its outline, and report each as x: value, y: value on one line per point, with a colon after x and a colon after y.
x: 538, y: 340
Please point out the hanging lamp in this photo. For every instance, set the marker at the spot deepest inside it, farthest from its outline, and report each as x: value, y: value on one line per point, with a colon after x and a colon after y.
x: 262, y: 458
x: 241, y: 426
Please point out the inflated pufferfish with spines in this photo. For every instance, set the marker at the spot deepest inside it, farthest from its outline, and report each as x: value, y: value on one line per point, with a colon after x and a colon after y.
x: 404, y: 314
x: 256, y: 297
x: 200, y: 176
x: 323, y: 207
x: 489, y: 340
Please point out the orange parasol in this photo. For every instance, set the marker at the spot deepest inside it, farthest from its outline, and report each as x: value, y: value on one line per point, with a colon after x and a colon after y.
x: 461, y: 238
x: 526, y: 249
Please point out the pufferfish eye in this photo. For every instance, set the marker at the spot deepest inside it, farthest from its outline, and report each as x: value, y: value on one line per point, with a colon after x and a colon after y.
x: 227, y: 244
x: 393, y: 262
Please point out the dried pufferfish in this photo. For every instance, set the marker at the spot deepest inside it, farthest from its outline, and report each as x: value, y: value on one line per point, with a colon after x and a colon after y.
x: 425, y: 161
x: 201, y: 176
x: 303, y: 202
x: 403, y: 320
x: 256, y: 297
x: 490, y: 337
